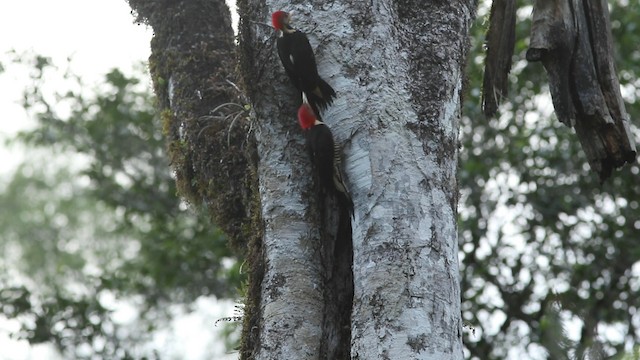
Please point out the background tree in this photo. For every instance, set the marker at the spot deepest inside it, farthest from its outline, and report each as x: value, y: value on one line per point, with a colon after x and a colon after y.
x: 543, y: 244
x: 93, y: 215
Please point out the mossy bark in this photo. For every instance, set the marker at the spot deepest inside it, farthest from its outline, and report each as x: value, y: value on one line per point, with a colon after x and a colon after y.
x: 192, y: 65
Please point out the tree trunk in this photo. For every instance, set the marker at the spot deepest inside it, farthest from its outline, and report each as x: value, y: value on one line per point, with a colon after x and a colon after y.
x: 397, y: 67
x: 406, y: 303
x: 286, y: 315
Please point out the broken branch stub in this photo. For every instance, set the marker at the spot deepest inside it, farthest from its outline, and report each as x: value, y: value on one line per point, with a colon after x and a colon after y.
x: 501, y: 38
x: 572, y: 39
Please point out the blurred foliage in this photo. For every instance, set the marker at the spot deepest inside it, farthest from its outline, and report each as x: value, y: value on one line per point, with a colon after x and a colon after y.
x: 93, y: 213
x: 550, y: 257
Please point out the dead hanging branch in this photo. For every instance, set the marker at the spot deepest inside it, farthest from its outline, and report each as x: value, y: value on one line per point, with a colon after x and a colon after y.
x: 572, y: 39
x: 501, y: 38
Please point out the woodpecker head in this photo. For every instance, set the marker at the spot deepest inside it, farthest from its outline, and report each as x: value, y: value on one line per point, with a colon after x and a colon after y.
x: 306, y: 117
x: 280, y: 20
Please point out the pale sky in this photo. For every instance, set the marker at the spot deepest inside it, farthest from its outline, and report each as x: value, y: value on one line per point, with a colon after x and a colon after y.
x: 98, y: 35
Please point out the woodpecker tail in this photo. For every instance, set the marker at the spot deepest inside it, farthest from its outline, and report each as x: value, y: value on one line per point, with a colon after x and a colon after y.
x: 326, y: 92
x: 342, y: 192
x: 346, y: 203
x: 343, y: 248
x: 320, y: 97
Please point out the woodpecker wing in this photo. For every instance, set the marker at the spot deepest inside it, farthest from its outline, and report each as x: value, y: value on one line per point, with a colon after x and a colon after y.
x: 327, y: 160
x: 321, y: 144
x: 284, y: 52
x: 299, y: 62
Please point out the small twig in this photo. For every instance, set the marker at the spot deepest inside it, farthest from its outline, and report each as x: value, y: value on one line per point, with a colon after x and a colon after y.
x: 228, y: 319
x: 262, y: 23
x: 240, y: 113
x: 241, y: 270
x: 226, y: 104
x: 234, y: 85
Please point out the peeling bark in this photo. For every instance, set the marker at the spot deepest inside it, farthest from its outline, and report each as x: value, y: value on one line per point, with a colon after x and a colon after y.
x: 573, y: 40
x: 552, y: 31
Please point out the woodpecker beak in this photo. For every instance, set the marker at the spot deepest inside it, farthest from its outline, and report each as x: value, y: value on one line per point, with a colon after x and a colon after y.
x: 290, y: 17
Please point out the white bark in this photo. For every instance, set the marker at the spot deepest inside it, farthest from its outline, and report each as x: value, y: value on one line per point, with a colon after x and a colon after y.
x: 290, y: 325
x: 407, y: 296
x: 398, y: 80
x: 291, y: 289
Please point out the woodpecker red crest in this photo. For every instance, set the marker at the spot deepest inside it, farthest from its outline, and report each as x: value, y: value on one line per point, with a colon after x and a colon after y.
x: 278, y: 18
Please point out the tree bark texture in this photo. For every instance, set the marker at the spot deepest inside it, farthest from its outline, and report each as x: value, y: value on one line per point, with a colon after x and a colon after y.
x: 288, y: 313
x: 192, y: 68
x: 397, y: 67
x: 404, y: 160
x: 573, y: 40
x: 209, y: 135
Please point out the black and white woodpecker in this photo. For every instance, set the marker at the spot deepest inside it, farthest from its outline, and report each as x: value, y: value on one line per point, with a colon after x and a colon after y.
x: 299, y: 62
x: 326, y: 156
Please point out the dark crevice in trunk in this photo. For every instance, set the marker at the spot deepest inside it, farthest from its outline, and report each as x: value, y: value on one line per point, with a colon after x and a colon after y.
x: 337, y: 260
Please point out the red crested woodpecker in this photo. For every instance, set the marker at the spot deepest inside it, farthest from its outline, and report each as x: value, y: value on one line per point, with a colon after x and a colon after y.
x: 325, y: 155
x: 299, y: 62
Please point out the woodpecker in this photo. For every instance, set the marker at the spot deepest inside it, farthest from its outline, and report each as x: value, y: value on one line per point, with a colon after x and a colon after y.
x: 325, y: 155
x: 299, y: 62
